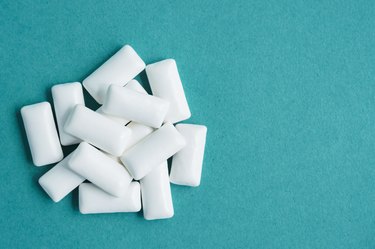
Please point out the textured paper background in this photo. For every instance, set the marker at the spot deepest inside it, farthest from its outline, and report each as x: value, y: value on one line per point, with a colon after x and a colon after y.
x: 286, y: 89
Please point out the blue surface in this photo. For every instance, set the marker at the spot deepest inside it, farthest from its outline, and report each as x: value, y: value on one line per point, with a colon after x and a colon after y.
x: 286, y: 88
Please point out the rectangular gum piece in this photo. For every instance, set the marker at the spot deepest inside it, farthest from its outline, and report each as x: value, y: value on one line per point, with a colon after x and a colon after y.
x: 100, y: 169
x: 138, y: 107
x: 165, y: 83
x: 151, y: 151
x: 41, y: 134
x: 60, y: 180
x: 187, y: 163
x: 133, y: 85
x: 65, y: 97
x: 156, y: 194
x: 119, y: 70
x: 93, y: 200
x: 97, y: 130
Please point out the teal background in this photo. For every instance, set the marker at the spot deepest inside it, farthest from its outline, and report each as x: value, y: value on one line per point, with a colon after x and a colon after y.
x: 286, y: 89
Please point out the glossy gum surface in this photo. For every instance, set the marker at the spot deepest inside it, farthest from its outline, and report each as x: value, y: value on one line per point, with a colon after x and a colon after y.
x: 97, y: 130
x: 187, y: 163
x: 94, y: 200
x: 65, y: 97
x: 41, y: 134
x: 152, y: 151
x: 100, y: 169
x: 119, y: 70
x: 156, y: 194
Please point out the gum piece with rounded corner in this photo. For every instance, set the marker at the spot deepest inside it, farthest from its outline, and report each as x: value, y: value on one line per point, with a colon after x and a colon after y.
x: 93, y: 200
x: 41, y: 134
x: 100, y: 169
x: 119, y: 70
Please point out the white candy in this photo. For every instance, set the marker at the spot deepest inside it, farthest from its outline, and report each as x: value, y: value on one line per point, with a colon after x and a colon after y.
x: 119, y: 69
x: 156, y: 194
x: 97, y: 130
x: 151, y: 151
x: 133, y: 85
x: 165, y: 83
x: 93, y: 200
x: 65, y: 97
x: 135, y: 106
x: 100, y: 169
x: 139, y: 131
x: 60, y: 180
x: 41, y: 133
x: 187, y: 163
